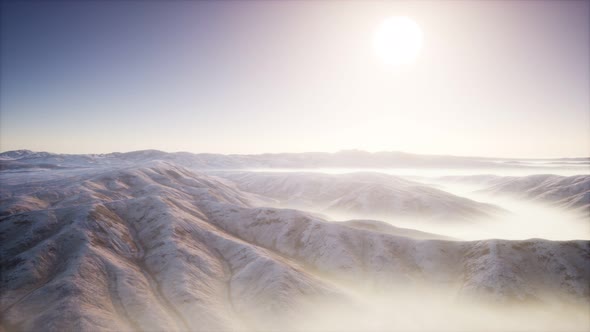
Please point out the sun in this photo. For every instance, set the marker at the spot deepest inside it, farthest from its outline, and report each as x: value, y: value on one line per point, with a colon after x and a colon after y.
x: 398, y: 40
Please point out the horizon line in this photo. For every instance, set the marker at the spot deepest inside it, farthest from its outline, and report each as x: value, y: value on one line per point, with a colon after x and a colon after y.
x: 2, y: 151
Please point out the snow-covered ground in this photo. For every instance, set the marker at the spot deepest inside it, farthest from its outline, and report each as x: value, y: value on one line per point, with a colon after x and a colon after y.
x: 361, y: 195
x: 539, y: 206
x: 146, y: 241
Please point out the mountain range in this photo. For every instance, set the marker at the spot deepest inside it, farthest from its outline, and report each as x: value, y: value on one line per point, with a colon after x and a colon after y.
x: 140, y: 241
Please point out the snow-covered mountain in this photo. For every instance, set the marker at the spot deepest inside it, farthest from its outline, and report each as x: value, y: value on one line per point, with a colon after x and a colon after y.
x: 342, y: 159
x: 155, y: 246
x: 360, y: 195
x: 571, y: 192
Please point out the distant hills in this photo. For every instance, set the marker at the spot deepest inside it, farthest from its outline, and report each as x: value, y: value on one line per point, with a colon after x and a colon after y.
x: 342, y: 159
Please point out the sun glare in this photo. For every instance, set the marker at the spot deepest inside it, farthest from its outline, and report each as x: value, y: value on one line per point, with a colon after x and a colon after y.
x: 398, y: 40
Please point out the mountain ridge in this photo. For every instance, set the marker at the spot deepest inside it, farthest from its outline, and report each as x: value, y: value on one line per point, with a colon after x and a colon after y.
x: 349, y: 158
x: 155, y: 245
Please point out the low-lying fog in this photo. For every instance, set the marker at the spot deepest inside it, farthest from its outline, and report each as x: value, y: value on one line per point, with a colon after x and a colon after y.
x: 522, y: 218
x: 437, y: 309
x: 565, y: 170
x: 181, y: 250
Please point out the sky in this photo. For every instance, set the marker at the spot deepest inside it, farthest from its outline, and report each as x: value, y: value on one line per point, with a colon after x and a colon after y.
x: 493, y: 78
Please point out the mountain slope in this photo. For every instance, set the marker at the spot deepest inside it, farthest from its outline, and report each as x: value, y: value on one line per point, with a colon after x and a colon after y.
x: 360, y: 195
x: 570, y: 192
x: 163, y: 248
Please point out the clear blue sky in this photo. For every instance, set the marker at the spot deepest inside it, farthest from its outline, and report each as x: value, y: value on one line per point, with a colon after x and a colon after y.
x: 493, y: 78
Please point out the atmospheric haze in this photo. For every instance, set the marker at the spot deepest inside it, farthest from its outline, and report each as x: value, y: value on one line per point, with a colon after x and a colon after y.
x: 340, y: 166
x: 149, y: 240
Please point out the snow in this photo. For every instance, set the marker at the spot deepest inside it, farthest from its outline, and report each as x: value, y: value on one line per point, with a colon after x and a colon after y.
x: 153, y: 245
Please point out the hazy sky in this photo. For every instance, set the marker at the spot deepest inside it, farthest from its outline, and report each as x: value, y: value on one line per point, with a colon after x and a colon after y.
x: 493, y: 78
